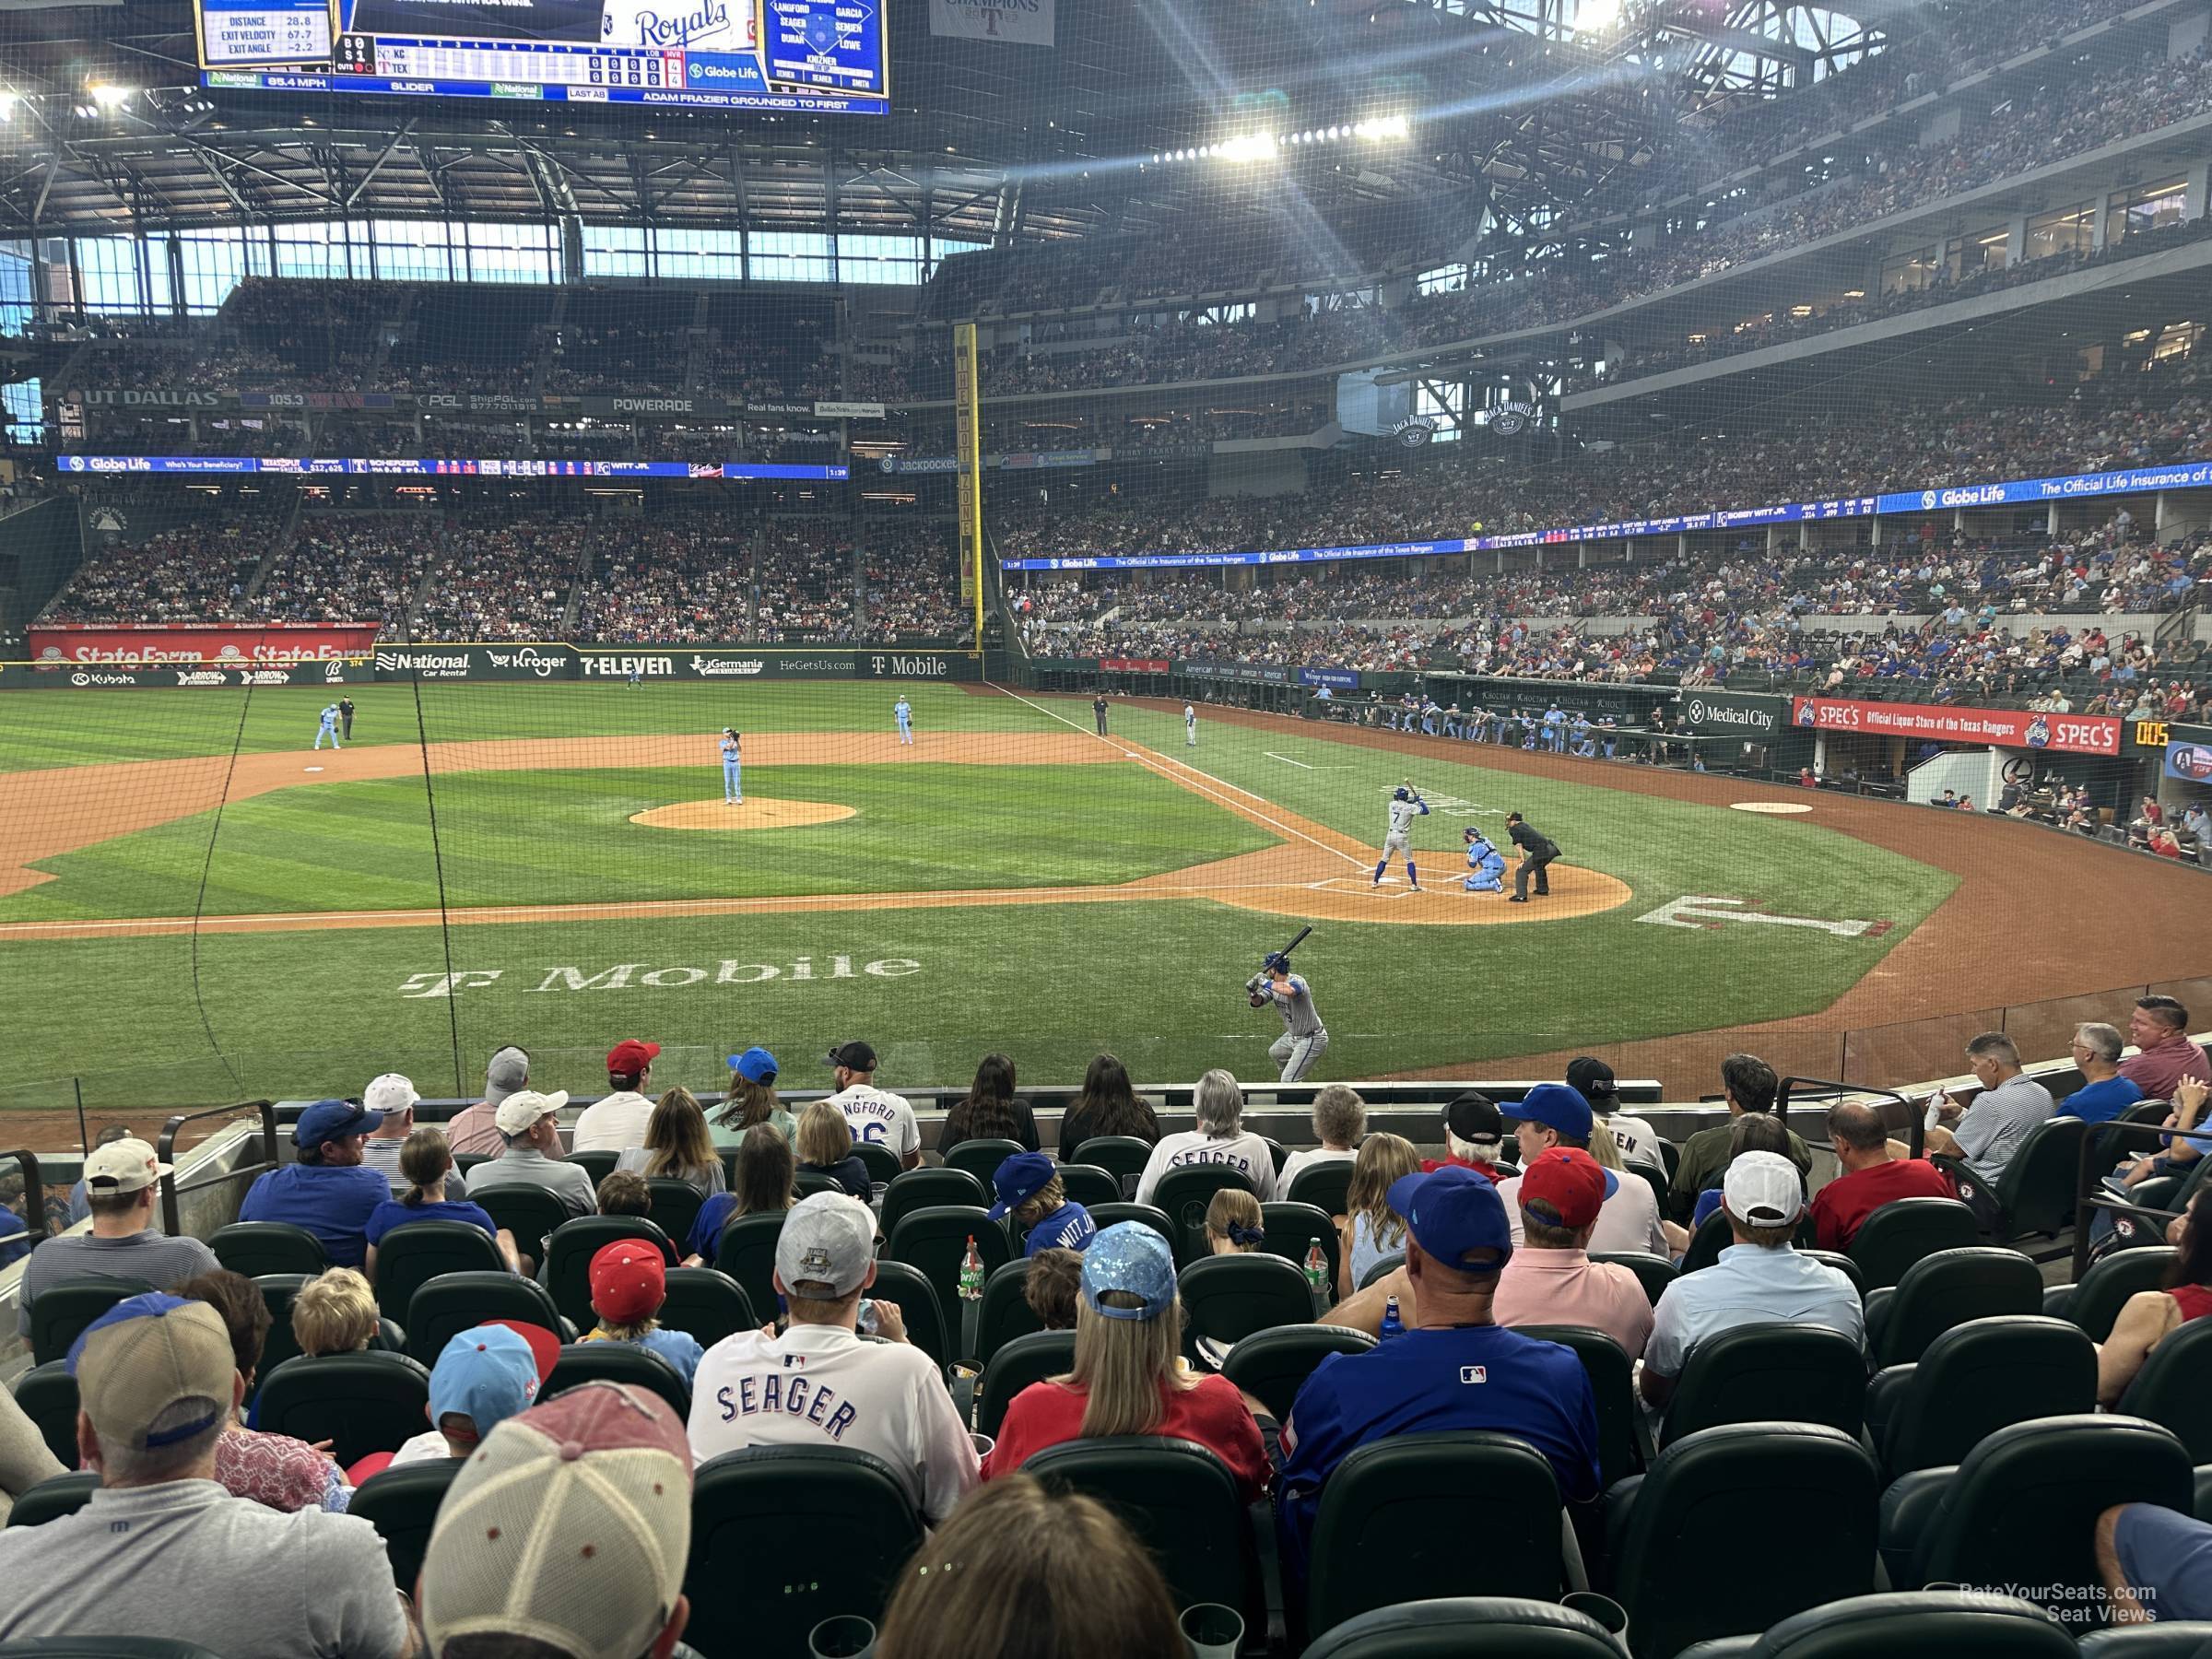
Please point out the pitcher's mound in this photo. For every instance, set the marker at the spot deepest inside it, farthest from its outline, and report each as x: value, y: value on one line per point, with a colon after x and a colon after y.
x: 757, y: 812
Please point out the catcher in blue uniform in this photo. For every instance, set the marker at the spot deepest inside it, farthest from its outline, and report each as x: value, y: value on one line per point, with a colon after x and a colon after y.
x: 1485, y: 863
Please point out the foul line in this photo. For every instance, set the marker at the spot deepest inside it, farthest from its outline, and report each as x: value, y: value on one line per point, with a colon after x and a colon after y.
x: 1159, y: 763
x: 1285, y: 760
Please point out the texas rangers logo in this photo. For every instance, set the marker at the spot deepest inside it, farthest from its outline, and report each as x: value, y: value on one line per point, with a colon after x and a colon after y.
x: 1807, y: 715
x: 2039, y: 733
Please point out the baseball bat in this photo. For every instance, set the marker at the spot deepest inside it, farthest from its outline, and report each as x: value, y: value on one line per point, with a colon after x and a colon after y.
x: 1295, y: 943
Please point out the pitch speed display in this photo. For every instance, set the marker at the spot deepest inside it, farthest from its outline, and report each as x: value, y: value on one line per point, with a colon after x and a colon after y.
x: 824, y: 57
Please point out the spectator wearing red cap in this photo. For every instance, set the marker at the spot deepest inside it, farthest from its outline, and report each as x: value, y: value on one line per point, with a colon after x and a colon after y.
x: 630, y: 1282
x: 483, y: 1376
x: 567, y: 1533
x: 162, y: 1550
x: 1551, y: 1279
x: 325, y: 1189
x: 617, y: 1121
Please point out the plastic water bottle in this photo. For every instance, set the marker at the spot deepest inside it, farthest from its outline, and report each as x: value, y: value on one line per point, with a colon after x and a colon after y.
x: 971, y: 1273
x: 1391, y: 1325
x: 1317, y: 1269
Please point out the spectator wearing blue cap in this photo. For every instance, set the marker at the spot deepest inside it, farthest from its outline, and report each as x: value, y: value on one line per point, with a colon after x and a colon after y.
x: 1129, y: 1377
x: 1551, y: 1114
x: 1454, y: 1368
x: 750, y: 1098
x: 162, y: 1550
x: 484, y: 1375
x: 1030, y: 1189
x: 325, y: 1189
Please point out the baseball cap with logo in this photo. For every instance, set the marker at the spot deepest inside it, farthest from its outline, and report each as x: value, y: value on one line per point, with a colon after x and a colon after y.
x: 631, y: 1057
x: 122, y: 1166
x: 1554, y: 1105
x: 630, y: 1281
x: 508, y: 1071
x: 569, y: 1526
x: 1571, y: 1182
x: 1129, y: 1256
x: 485, y: 1373
x: 328, y: 1121
x: 154, y: 1370
x: 853, y: 1056
x: 390, y: 1093
x: 519, y: 1111
x: 1451, y: 1213
x: 1019, y: 1179
x: 755, y: 1065
x: 1762, y: 1189
x: 827, y: 1241
x: 1475, y: 1117
x: 1592, y: 1079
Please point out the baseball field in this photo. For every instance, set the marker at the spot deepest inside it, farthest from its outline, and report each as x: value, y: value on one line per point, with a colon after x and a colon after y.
x: 195, y: 907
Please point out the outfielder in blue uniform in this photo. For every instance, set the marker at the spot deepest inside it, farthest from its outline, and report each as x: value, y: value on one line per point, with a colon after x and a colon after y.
x: 1484, y: 863
x: 905, y: 717
x: 733, y: 768
x: 329, y: 728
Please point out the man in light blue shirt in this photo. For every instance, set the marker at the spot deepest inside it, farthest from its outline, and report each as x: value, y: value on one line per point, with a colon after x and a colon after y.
x: 1759, y: 1279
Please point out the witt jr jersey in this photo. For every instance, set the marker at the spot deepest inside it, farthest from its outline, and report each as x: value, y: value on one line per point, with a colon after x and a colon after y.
x: 1402, y: 813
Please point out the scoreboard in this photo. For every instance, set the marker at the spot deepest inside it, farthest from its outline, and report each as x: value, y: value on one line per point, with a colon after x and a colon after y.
x: 823, y: 56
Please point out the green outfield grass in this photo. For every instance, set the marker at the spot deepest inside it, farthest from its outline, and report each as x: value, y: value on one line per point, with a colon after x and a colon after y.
x: 144, y: 1020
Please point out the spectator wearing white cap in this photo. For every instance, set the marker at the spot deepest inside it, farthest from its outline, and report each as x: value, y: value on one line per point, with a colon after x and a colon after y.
x: 530, y: 1131
x: 820, y: 1382
x: 157, y: 1551
x: 1759, y: 1279
x: 475, y: 1130
x: 567, y: 1534
x: 121, y: 1179
x: 324, y: 1189
x: 392, y: 1098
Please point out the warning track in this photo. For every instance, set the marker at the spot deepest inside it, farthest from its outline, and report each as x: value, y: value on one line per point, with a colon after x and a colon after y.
x: 1311, y: 872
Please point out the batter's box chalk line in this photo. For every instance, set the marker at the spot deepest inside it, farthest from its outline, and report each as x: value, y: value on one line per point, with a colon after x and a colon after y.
x: 1392, y: 887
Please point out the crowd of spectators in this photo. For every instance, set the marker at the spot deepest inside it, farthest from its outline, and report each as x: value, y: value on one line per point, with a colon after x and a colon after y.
x: 351, y: 568
x: 805, y: 588
x: 194, y: 572
x: 680, y: 578
x: 504, y: 576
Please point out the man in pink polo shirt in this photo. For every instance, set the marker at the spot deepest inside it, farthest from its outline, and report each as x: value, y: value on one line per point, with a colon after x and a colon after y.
x: 1551, y: 1279
x: 2164, y: 1055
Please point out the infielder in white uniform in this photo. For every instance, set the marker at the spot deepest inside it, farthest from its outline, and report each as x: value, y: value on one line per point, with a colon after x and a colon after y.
x: 1190, y: 726
x: 1406, y: 804
x: 1304, y: 1038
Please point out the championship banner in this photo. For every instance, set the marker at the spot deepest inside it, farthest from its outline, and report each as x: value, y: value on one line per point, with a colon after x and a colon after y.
x: 968, y: 451
x: 1022, y: 23
x: 1999, y: 728
x: 216, y: 644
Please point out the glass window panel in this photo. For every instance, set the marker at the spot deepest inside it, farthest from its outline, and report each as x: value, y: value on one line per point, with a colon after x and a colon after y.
x: 791, y: 257
x: 613, y: 250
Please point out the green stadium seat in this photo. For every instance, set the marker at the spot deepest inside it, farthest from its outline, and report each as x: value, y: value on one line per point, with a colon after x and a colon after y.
x: 1382, y: 1268
x: 674, y: 1205
x: 2092, y: 1305
x: 707, y: 1305
x: 1769, y: 1374
x: 935, y: 1239
x: 1974, y: 1380
x: 750, y: 1599
x: 1451, y: 1628
x: 1182, y: 1195
x: 1323, y: 1185
x: 48, y: 1395
x: 1088, y: 1185
x: 1109, y: 1215
x: 1273, y: 1365
x: 568, y: 1272
x: 2169, y: 1389
x: 64, y: 1308
x: 1292, y: 1229
x: 927, y: 1326
x: 1181, y: 1502
x: 1946, y: 1290
x: 2169, y: 1638
x: 1227, y: 1297
x: 454, y: 1302
x: 1907, y: 1231
x: 1016, y: 1365
x: 1397, y: 1515
x: 2035, y: 1194
x: 1915, y: 1624
x: 598, y: 1165
x: 254, y: 1248
x: 1005, y: 1313
x: 278, y: 1289
x: 807, y: 1183
x: 417, y: 1252
x: 51, y: 1499
x: 1623, y: 1435
x: 982, y: 1158
x: 531, y: 1212
x: 360, y: 1402
x: 1654, y: 1273
x: 402, y: 1504
x: 582, y: 1362
x: 748, y: 1254
x: 929, y: 1189
x: 1122, y: 1156
x: 883, y: 1165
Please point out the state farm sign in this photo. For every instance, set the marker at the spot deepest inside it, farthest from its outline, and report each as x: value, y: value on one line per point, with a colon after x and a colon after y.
x: 1938, y: 723
x: 222, y: 645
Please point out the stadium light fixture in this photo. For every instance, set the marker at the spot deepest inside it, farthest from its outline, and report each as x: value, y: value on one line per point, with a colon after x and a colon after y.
x: 8, y: 106
x: 1246, y: 147
x: 109, y: 97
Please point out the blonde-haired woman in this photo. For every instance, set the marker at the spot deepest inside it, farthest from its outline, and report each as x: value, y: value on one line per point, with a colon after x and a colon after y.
x: 1370, y: 1230
x: 1129, y: 1378
x: 678, y: 1145
x: 825, y: 1147
x: 1233, y: 1224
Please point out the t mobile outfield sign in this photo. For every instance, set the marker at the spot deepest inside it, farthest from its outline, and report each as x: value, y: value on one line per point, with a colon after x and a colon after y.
x: 644, y: 976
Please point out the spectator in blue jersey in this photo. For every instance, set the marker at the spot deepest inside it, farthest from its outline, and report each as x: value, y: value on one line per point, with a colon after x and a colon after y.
x: 1030, y: 1189
x: 2104, y: 1094
x: 325, y: 1189
x: 426, y: 1162
x: 1457, y: 1244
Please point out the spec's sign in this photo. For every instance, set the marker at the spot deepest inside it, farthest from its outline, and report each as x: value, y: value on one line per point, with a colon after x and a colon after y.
x: 1998, y: 728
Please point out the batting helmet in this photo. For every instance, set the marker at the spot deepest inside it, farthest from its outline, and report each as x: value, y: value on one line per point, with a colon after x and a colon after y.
x: 1275, y: 959
x: 1401, y: 794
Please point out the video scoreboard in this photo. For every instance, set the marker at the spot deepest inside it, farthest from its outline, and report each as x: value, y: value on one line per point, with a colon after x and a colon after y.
x: 824, y: 57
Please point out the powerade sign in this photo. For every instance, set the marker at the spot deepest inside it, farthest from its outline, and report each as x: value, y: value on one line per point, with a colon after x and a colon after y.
x: 1341, y: 679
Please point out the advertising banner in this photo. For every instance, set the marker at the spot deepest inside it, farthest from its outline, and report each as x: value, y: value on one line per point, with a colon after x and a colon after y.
x: 1135, y: 664
x: 1249, y: 672
x: 213, y: 645
x: 1017, y: 22
x: 2191, y: 762
x: 65, y: 678
x: 1340, y: 679
x: 1736, y: 714
x: 825, y: 410
x: 1999, y: 728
